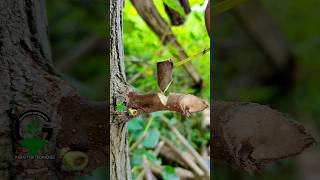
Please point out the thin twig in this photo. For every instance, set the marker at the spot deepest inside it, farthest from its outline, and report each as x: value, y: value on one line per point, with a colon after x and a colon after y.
x: 184, y: 158
x: 158, y: 148
x: 148, y: 173
x: 196, y: 155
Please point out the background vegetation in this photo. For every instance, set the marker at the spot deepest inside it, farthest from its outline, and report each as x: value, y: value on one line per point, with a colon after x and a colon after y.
x: 142, y: 50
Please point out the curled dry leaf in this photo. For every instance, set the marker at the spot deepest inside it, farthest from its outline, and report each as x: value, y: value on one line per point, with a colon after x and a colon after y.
x: 164, y: 74
x: 248, y: 136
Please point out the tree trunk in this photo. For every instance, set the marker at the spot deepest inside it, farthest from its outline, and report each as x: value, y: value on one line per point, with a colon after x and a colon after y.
x: 29, y: 82
x: 119, y: 158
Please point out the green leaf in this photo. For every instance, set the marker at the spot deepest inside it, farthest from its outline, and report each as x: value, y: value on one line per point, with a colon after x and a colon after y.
x: 152, y: 157
x: 134, y: 125
x: 175, y: 5
x: 169, y: 173
x: 33, y: 128
x: 33, y: 145
x: 136, y: 159
x: 152, y: 139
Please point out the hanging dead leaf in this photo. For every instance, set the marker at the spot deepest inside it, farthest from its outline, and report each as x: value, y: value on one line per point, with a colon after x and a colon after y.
x: 164, y: 74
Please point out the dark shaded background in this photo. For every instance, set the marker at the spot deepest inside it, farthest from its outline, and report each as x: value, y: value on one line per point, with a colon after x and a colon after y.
x: 244, y: 70
x: 78, y: 32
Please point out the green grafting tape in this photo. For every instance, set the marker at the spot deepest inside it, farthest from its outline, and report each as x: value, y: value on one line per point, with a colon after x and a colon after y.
x: 225, y: 6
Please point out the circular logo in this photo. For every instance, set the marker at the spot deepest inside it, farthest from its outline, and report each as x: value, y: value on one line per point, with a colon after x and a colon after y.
x: 33, y: 131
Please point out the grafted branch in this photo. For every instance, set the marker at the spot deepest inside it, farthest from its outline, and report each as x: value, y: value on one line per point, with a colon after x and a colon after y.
x: 185, y: 104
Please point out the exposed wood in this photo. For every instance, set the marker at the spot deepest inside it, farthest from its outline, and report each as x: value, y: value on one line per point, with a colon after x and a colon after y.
x: 186, y: 104
x: 152, y: 17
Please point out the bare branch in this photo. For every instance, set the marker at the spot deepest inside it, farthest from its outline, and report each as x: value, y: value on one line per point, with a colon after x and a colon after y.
x: 152, y: 102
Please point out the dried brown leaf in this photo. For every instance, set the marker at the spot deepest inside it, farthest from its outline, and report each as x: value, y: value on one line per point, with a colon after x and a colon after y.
x: 164, y: 74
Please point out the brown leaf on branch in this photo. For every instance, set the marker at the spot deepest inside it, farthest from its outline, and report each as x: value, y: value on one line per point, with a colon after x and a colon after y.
x: 164, y: 74
x: 248, y: 136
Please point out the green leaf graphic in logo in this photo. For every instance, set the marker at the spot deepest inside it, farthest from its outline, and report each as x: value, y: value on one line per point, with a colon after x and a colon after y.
x: 33, y: 143
x: 120, y: 106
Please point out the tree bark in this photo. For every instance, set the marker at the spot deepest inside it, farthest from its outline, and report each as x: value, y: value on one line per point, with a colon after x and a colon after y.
x: 29, y: 81
x: 119, y: 158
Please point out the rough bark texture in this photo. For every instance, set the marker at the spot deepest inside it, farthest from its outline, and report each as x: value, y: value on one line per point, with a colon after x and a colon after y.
x: 28, y: 81
x: 119, y: 159
x: 152, y: 17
